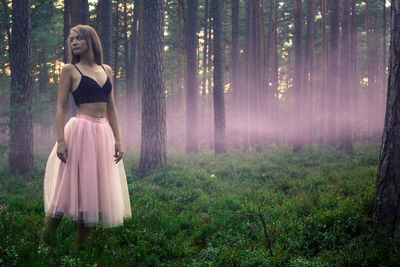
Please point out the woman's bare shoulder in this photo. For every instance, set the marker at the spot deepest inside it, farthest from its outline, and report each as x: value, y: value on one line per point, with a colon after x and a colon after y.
x: 108, y: 69
x: 67, y: 69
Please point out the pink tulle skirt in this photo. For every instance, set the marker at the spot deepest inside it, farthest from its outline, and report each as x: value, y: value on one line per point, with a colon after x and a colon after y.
x: 90, y: 187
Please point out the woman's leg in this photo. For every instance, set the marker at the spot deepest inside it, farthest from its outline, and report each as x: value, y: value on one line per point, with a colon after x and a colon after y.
x: 83, y: 234
x: 49, y: 230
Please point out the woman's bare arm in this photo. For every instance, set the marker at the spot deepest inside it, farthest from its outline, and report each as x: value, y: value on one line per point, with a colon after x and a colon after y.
x: 64, y: 86
x: 112, y: 115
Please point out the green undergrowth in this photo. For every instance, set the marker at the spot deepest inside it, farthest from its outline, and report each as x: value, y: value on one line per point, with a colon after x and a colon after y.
x: 207, y: 210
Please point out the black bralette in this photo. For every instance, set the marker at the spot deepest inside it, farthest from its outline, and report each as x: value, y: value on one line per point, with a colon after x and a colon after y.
x: 89, y: 91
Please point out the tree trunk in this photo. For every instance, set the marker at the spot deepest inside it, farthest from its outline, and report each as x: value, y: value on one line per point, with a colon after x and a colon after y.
x: 219, y: 105
x: 387, y: 201
x: 235, y: 107
x: 106, y: 29
x: 332, y: 73
x: 276, y: 125
x: 309, y: 72
x: 73, y: 12
x: 82, y: 12
x: 354, y: 79
x: 205, y: 123
x: 323, y: 71
x: 299, y: 99
x: 116, y: 50
x: 191, y: 76
x: 140, y: 53
x: 345, y: 133
x: 153, y: 146
x: 255, y: 67
x: 132, y: 112
x: 210, y: 134
x: 66, y: 29
x: 384, y: 64
x: 21, y: 132
x: 369, y: 73
x: 205, y: 47
x: 246, y: 89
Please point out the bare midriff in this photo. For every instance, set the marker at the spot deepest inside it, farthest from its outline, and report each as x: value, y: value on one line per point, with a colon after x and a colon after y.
x: 95, y: 110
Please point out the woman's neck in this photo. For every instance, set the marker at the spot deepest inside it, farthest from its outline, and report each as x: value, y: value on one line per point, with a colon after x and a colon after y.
x: 86, y: 61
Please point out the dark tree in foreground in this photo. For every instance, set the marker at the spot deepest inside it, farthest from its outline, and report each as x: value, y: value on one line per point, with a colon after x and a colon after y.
x: 153, y: 147
x: 387, y: 201
x: 21, y: 132
x: 191, y: 76
x: 219, y: 105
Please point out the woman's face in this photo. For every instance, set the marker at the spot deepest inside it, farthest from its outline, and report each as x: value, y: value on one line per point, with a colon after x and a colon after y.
x: 78, y: 43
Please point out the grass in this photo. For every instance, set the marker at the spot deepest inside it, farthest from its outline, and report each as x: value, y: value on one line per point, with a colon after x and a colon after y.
x: 203, y: 210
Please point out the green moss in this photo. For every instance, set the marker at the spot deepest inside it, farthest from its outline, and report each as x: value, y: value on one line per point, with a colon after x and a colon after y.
x: 203, y: 210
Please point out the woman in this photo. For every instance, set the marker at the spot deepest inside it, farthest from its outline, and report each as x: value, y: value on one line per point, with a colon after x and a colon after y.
x: 82, y: 179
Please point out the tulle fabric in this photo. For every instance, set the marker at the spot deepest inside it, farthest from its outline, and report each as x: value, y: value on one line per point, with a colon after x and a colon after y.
x: 89, y: 187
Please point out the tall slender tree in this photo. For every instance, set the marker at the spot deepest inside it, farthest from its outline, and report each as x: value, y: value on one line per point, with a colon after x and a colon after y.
x: 235, y: 64
x: 219, y: 104
x: 323, y: 71
x: 345, y: 131
x: 353, y: 78
x: 308, y: 68
x: 247, y: 72
x: 21, y: 132
x: 66, y: 28
x: 332, y: 73
x: 132, y: 96
x: 384, y: 64
x: 276, y: 126
x: 116, y: 48
x: 191, y: 76
x: 299, y: 105
x: 106, y: 29
x: 387, y: 194
x: 153, y: 146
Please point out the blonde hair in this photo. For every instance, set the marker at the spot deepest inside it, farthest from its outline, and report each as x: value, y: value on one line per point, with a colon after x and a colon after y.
x: 95, y: 49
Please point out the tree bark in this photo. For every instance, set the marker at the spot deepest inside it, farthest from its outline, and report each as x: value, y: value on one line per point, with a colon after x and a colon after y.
x: 116, y: 50
x: 387, y: 201
x: 153, y: 146
x: 323, y: 71
x: 106, y: 29
x: 345, y: 132
x: 309, y: 72
x: 332, y: 73
x: 299, y: 99
x: 219, y: 105
x: 246, y: 89
x: 384, y: 64
x: 191, y: 77
x: 235, y: 110
x: 21, y: 131
x: 354, y: 79
x: 132, y: 96
x: 66, y: 29
x: 82, y: 11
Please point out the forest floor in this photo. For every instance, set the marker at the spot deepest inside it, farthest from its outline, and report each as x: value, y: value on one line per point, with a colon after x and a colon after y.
x: 206, y: 210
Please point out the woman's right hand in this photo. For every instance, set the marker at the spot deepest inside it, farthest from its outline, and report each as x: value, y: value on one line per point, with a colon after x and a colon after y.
x: 62, y: 151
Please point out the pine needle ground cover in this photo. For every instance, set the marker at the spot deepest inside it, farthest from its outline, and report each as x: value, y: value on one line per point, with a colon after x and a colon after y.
x: 269, y: 208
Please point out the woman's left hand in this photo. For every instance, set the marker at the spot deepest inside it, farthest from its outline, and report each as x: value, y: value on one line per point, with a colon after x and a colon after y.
x: 119, y: 151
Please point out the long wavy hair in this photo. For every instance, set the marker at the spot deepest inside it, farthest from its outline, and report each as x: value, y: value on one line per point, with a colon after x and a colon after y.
x: 95, y: 49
